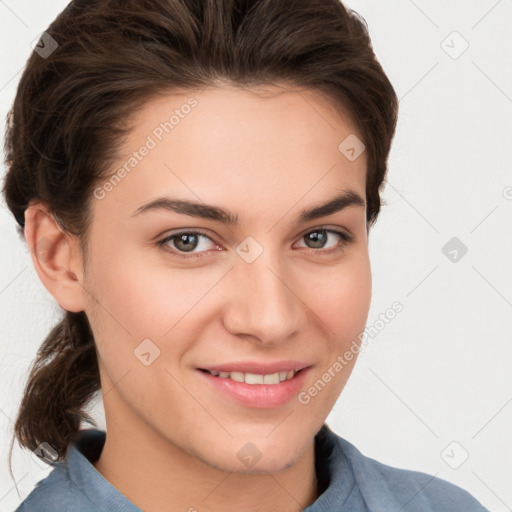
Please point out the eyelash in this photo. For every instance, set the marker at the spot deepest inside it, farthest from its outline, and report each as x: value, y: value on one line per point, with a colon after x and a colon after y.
x: 345, y: 240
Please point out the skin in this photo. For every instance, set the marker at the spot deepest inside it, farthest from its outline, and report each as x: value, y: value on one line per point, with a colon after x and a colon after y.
x: 172, y: 442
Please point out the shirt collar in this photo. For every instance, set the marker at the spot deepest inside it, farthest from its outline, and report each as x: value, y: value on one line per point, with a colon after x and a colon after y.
x: 354, y: 480
x: 335, y: 480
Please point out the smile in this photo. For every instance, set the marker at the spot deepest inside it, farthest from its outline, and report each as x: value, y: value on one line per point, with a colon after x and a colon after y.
x: 254, y: 378
x: 255, y: 390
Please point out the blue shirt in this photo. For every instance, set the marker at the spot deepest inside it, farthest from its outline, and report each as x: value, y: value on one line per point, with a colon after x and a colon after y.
x: 347, y: 480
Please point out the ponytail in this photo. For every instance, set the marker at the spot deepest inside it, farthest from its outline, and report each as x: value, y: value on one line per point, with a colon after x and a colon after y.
x: 62, y: 380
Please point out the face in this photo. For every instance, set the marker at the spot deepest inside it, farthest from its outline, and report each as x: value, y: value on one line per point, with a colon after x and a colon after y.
x: 172, y: 292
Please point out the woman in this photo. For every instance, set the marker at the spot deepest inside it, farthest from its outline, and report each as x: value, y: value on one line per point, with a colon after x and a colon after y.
x: 196, y: 182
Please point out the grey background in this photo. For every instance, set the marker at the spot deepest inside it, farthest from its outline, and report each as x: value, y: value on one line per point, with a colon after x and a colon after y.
x: 433, y: 386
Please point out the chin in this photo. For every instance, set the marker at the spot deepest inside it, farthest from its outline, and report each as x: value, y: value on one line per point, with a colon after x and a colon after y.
x: 275, y: 462
x: 262, y: 467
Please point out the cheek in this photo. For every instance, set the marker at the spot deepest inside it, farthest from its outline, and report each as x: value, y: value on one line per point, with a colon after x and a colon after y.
x: 136, y: 299
x: 343, y: 303
x: 124, y: 307
x: 342, y: 300
x: 137, y: 302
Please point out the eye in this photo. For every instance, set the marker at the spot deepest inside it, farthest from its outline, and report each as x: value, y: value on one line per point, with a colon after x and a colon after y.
x: 186, y: 242
x: 319, y: 237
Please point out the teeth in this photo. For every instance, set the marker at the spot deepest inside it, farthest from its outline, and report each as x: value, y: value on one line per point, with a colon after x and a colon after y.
x: 252, y: 378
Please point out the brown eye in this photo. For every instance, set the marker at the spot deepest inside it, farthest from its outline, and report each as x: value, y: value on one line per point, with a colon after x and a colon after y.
x: 185, y: 242
x: 319, y: 238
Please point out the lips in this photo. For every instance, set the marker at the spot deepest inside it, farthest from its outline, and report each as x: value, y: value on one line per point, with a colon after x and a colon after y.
x: 252, y: 394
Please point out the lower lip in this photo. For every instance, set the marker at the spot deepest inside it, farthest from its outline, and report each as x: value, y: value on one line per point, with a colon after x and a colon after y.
x: 260, y: 396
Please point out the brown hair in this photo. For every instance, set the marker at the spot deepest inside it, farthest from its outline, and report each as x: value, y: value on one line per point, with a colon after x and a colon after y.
x: 70, y: 115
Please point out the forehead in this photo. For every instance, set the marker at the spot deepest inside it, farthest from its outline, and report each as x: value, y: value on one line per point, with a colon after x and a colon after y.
x: 236, y: 147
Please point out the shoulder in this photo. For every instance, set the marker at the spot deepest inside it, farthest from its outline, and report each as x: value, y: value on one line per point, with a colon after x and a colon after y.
x: 411, y: 490
x: 74, y: 484
x: 439, y: 495
x: 56, y: 492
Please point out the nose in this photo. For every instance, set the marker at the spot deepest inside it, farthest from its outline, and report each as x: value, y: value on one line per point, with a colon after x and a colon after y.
x: 265, y: 300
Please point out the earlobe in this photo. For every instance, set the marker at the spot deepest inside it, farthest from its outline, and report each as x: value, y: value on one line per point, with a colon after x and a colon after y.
x: 55, y: 257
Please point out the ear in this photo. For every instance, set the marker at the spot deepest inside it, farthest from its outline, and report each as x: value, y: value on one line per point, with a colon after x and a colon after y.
x: 56, y: 257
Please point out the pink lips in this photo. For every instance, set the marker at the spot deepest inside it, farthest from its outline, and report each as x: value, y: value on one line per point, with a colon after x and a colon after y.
x: 260, y: 396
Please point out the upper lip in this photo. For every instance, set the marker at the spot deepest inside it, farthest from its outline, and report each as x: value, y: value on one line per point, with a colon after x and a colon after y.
x: 257, y: 367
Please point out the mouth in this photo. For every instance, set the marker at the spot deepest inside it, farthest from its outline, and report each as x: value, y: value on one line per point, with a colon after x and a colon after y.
x: 260, y: 391
x: 255, y: 378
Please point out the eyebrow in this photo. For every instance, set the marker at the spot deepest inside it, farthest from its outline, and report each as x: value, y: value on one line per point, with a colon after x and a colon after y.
x: 204, y: 211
